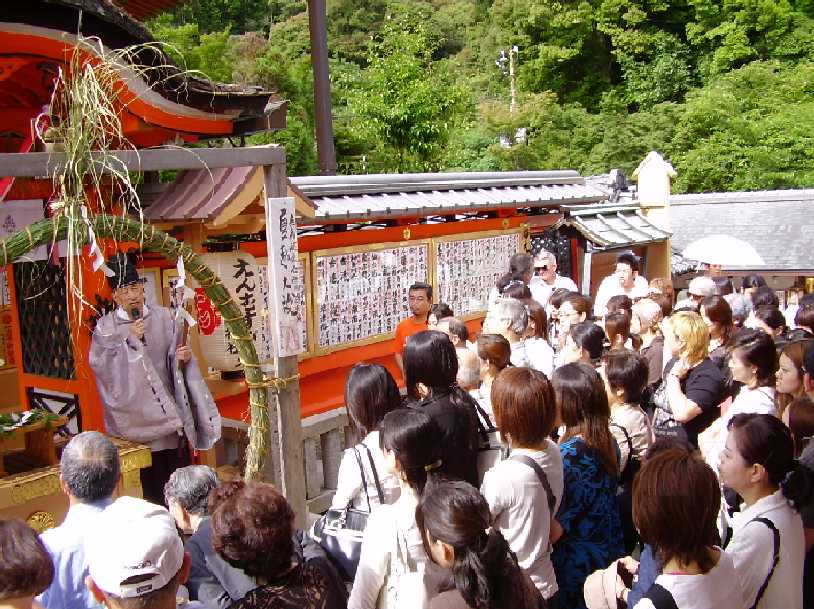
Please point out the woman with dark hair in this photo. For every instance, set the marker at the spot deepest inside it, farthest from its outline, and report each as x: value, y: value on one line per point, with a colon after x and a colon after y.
x: 370, y: 393
x: 26, y: 569
x: 430, y: 368
x: 804, y: 320
x: 617, y: 329
x: 799, y: 418
x: 585, y: 343
x: 723, y: 285
x: 540, y: 353
x: 676, y: 499
x: 574, y: 309
x: 769, y: 319
x: 587, y: 533
x: 438, y: 311
x: 495, y: 354
x: 758, y: 463
x: 454, y: 520
x: 524, y: 490
x: 521, y: 270
x: 751, y: 283
x: 717, y: 315
x: 789, y: 376
x: 252, y: 527
x: 393, y: 561
x: 753, y: 363
x: 516, y: 289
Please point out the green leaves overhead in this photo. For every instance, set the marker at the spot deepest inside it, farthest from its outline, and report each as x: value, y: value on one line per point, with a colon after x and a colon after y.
x: 723, y: 88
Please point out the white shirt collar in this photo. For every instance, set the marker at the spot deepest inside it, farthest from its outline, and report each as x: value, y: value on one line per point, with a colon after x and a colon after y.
x: 122, y: 314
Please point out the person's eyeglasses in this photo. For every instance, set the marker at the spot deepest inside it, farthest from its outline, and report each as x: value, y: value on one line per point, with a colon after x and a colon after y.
x: 542, y: 268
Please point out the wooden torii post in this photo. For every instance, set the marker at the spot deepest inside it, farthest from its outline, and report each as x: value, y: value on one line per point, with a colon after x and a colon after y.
x: 281, y: 429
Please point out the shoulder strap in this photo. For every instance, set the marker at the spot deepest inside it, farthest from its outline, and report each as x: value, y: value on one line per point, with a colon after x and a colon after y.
x: 661, y: 597
x: 375, y: 474
x: 628, y: 439
x: 541, y: 476
x: 364, y: 479
x: 775, y: 557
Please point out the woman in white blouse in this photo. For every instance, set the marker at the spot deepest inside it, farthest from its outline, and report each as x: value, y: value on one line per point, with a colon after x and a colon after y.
x: 370, y: 393
x: 767, y: 542
x: 753, y: 362
x: 524, y: 491
x: 393, y: 566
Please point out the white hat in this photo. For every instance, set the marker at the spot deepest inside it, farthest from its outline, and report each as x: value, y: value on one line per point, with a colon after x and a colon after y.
x: 544, y: 258
x: 134, y: 540
x: 701, y: 286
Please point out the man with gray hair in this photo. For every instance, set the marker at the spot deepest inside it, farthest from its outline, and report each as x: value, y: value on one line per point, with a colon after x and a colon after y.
x: 88, y: 475
x: 509, y: 318
x: 212, y: 580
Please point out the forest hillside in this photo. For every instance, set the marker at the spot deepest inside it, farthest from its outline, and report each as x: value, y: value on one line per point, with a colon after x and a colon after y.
x: 724, y: 89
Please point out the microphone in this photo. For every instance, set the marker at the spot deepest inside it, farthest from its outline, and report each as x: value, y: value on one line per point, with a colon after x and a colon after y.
x: 135, y: 314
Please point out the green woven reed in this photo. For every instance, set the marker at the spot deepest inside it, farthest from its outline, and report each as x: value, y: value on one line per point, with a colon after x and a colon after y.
x: 151, y: 239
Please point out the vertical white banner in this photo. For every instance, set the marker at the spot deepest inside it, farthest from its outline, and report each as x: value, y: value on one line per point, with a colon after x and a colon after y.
x: 285, y: 291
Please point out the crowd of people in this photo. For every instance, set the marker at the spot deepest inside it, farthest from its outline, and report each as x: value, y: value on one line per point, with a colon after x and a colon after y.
x: 630, y: 452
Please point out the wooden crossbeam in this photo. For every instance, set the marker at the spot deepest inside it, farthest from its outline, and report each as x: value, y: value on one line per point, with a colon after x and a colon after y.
x: 44, y: 164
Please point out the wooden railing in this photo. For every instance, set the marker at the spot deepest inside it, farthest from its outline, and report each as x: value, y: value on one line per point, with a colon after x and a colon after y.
x: 324, y: 438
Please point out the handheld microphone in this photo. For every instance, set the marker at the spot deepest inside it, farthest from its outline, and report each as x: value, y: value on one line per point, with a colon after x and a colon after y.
x: 135, y: 314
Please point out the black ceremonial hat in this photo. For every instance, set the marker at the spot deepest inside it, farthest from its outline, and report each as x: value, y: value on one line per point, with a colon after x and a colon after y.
x: 124, y: 271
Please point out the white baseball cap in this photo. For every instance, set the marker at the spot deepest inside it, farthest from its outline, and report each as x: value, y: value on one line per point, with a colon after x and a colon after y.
x: 134, y: 548
x: 544, y: 258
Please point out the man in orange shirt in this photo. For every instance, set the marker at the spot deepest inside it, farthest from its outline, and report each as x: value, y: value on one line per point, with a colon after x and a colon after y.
x: 419, y: 297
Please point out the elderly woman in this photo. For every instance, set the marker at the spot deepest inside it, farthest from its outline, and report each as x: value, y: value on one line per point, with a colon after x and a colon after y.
x: 645, y: 322
x: 252, y: 527
x: 693, y: 385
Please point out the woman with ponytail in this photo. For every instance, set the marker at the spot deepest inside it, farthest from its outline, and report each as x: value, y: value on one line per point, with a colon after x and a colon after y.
x: 767, y: 543
x: 392, y: 564
x: 454, y: 522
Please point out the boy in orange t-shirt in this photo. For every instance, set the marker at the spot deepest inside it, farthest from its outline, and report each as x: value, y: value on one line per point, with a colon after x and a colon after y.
x: 419, y: 297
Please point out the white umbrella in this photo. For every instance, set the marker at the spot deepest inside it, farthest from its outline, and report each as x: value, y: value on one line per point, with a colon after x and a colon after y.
x: 723, y: 250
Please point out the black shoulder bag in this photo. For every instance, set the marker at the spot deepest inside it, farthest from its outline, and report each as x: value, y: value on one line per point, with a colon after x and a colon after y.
x: 340, y: 532
x: 541, y: 476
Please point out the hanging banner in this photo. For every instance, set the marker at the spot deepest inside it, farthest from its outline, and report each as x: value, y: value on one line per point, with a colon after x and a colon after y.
x: 286, y: 293
x: 240, y: 274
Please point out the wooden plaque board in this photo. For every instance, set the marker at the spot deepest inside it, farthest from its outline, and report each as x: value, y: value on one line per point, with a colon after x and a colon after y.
x: 467, y: 266
x: 360, y: 293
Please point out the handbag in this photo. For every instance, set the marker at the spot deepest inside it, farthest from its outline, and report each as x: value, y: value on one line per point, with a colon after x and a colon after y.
x: 491, y: 450
x: 404, y: 586
x: 340, y: 532
x: 664, y: 424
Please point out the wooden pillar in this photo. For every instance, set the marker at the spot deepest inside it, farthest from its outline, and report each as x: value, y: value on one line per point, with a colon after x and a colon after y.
x: 285, y: 463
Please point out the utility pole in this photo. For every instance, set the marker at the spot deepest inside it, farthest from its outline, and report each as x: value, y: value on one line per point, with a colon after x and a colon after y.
x: 326, y: 154
x: 512, y: 81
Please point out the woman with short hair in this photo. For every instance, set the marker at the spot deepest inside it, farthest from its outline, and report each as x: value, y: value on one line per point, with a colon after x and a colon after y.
x: 767, y: 542
x: 693, y: 383
x: 540, y: 353
x: 587, y: 532
x: 454, y: 520
x: 252, y: 526
x: 646, y: 322
x: 585, y: 343
x: 495, y: 354
x: 363, y: 481
x: 26, y: 569
x: 524, y: 490
x: 676, y: 499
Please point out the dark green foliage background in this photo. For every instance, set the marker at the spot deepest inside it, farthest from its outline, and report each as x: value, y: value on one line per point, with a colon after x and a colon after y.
x: 722, y: 88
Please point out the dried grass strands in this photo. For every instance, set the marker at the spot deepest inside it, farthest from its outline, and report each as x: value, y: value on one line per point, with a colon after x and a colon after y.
x: 152, y: 239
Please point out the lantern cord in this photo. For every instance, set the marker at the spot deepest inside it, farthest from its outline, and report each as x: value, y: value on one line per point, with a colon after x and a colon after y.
x: 220, y: 305
x: 30, y: 238
x: 243, y: 337
x: 249, y: 364
x: 228, y: 319
x: 5, y: 253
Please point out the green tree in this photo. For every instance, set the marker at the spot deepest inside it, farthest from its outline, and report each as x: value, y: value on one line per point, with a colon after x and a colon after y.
x: 405, y: 100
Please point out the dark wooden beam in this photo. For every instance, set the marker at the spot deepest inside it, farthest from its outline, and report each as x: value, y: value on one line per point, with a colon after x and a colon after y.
x: 45, y: 164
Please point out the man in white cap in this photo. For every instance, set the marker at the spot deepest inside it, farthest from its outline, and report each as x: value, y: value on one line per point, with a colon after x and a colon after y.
x: 135, y: 557
x: 699, y: 288
x: 546, y: 279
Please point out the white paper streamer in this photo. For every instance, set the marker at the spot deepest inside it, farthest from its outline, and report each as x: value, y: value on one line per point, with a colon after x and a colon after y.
x: 96, y: 256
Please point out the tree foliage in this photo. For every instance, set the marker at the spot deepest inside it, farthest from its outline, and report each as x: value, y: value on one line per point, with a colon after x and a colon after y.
x: 723, y: 88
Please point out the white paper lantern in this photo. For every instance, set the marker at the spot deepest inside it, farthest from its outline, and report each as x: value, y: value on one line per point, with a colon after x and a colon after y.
x: 241, y: 275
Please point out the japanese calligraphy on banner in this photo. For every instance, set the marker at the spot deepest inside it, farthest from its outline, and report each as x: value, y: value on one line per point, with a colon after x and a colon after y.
x: 466, y: 269
x: 302, y: 278
x: 286, y: 293
x: 240, y: 274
